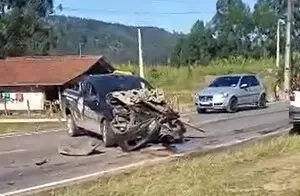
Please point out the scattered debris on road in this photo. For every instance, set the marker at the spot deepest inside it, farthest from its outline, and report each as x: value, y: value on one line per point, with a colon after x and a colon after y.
x: 42, y: 162
x: 81, y: 146
x: 11, y: 183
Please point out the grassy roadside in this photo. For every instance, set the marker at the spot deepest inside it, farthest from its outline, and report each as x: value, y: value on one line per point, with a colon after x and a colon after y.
x: 6, y: 128
x: 265, y: 168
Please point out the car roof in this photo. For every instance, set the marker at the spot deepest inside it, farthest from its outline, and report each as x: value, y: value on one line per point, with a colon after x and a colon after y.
x: 238, y: 75
x: 112, y: 81
x: 102, y: 77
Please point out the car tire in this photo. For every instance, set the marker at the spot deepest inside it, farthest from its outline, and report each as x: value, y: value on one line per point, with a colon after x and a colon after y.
x: 232, y: 106
x: 262, y: 102
x: 296, y: 129
x: 201, y: 110
x: 107, y: 134
x: 73, y: 130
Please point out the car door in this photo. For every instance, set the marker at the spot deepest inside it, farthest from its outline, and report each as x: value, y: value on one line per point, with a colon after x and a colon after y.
x: 255, y: 88
x: 91, y: 107
x: 244, y: 93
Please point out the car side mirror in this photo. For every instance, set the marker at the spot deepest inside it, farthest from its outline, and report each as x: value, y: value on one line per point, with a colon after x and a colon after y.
x: 244, y: 86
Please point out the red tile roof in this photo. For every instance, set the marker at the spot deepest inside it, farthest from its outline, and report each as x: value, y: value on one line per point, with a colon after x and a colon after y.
x: 53, y: 70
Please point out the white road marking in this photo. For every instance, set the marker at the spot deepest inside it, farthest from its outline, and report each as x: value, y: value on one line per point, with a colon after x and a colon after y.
x: 12, y: 151
x: 133, y: 165
x: 97, y: 174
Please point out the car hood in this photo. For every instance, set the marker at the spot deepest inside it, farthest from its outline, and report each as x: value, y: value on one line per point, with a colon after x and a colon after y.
x: 216, y: 90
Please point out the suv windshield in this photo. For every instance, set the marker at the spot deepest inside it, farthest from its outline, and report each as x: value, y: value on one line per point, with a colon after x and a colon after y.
x: 226, y: 81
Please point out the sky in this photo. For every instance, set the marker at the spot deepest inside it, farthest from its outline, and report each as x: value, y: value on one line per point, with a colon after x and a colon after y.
x: 165, y: 14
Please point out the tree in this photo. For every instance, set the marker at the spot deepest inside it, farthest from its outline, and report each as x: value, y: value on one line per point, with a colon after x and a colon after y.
x: 25, y: 32
x: 201, y: 44
x: 232, y: 25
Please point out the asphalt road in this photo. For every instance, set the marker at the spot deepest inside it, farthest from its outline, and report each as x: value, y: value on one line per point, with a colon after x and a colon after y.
x: 20, y: 156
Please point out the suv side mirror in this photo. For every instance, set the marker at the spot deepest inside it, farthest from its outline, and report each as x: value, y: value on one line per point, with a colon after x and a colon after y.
x: 244, y: 86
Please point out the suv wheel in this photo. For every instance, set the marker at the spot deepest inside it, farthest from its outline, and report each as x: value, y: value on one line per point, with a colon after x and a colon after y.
x: 107, y: 134
x: 72, y: 128
x: 232, y: 105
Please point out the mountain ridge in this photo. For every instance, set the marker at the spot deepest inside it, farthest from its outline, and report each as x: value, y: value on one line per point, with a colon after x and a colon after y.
x: 117, y: 41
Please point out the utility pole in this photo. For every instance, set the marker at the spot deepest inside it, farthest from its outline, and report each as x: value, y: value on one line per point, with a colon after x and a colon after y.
x: 287, y: 71
x: 278, y: 43
x: 278, y: 52
x: 140, y: 54
x: 80, y: 54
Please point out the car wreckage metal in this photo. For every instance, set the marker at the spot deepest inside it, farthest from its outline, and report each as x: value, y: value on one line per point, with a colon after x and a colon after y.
x: 142, y: 116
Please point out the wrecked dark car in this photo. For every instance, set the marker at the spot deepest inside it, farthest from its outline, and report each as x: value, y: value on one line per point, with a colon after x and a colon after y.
x: 125, y: 110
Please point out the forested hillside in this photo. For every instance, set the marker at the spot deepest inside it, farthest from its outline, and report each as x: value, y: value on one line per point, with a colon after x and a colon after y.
x: 118, y: 42
x: 238, y: 31
x: 235, y: 30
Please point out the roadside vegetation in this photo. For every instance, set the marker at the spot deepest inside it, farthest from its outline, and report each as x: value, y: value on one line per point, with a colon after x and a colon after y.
x: 184, y: 81
x: 263, y: 168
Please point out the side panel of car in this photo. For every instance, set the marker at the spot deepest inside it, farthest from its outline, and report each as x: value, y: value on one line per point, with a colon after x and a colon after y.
x: 256, y: 88
x: 91, y: 106
x: 252, y: 91
x: 243, y: 93
x: 73, y: 105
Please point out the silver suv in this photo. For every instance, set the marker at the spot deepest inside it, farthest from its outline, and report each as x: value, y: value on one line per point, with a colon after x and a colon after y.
x: 228, y: 92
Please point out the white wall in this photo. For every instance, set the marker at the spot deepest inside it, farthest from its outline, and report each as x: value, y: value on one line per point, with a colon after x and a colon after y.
x: 36, y: 101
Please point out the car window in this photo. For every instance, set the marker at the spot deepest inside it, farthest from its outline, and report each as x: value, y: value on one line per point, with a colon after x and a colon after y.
x: 246, y: 80
x: 250, y: 81
x: 76, y: 87
x: 254, y: 81
x: 226, y: 81
x: 92, y: 91
x: 141, y: 83
x: 88, y: 89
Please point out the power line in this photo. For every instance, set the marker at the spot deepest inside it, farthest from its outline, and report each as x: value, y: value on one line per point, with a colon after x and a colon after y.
x: 61, y: 8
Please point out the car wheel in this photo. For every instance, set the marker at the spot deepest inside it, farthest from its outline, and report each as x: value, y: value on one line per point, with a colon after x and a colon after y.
x: 201, y: 110
x: 72, y: 128
x: 232, y: 105
x: 107, y: 134
x: 262, y: 102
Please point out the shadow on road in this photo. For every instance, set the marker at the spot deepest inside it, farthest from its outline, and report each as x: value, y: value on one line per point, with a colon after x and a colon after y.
x: 241, y: 109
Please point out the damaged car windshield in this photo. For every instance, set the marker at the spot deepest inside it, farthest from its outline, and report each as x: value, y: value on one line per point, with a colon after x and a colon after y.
x: 104, y: 86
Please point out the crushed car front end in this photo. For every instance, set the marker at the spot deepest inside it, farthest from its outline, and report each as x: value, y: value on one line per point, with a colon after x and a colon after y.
x: 142, y: 116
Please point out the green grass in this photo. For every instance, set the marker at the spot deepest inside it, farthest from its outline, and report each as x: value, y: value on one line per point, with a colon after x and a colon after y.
x: 28, y: 127
x: 264, y: 168
x: 185, y: 81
